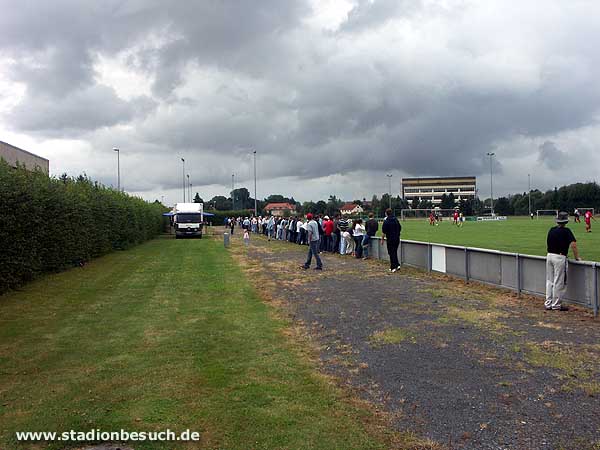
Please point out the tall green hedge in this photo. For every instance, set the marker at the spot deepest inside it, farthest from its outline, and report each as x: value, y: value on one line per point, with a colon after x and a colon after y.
x: 48, y: 224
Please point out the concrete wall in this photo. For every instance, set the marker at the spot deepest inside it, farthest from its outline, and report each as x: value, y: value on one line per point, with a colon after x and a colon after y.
x: 522, y: 273
x: 12, y: 155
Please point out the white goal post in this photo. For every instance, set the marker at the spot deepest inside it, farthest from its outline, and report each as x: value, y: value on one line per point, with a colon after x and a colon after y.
x: 423, y: 213
x: 583, y: 210
x: 546, y: 212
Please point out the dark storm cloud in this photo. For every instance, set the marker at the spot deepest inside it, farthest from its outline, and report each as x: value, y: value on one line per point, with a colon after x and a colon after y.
x: 423, y: 88
x: 78, y: 111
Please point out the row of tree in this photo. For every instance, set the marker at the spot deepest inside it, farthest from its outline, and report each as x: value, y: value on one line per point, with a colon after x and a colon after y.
x: 566, y: 198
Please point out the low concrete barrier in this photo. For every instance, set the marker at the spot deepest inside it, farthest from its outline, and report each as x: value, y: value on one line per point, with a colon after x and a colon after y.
x: 521, y: 273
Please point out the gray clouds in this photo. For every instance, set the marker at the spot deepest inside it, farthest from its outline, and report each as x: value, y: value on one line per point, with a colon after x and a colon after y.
x: 417, y: 87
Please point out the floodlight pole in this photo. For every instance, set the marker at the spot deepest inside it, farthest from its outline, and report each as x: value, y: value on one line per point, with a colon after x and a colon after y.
x: 118, y: 168
x: 189, y: 190
x: 255, y: 204
x: 529, y: 186
x: 389, y: 175
x: 491, y: 155
x: 183, y: 178
x: 232, y: 191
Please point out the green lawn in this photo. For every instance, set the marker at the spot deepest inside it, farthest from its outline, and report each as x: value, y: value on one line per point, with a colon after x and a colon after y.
x: 167, y: 335
x: 517, y: 234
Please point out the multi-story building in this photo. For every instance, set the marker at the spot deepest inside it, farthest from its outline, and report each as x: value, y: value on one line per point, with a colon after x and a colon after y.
x: 433, y: 188
x: 15, y: 155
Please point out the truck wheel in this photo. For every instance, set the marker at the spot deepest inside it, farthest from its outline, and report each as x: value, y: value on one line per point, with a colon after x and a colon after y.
x: 200, y: 236
x: 176, y: 237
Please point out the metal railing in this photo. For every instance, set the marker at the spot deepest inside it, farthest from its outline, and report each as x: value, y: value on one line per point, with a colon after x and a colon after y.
x: 521, y: 273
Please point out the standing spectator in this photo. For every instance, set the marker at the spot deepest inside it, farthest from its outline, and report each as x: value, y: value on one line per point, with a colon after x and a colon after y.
x: 232, y: 225
x: 271, y: 227
x: 371, y: 230
x: 348, y: 238
x: 558, y: 242
x: 246, y: 238
x: 328, y: 229
x: 335, y: 236
x: 343, y: 226
x: 299, y: 231
x: 358, y: 232
x: 391, y: 233
x: 312, y: 229
x: 279, y: 230
x: 303, y: 232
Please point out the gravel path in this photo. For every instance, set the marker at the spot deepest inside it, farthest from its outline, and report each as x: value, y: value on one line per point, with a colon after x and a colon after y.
x: 468, y: 366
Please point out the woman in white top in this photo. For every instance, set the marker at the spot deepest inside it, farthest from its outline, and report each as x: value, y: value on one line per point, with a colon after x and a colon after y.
x: 358, y: 232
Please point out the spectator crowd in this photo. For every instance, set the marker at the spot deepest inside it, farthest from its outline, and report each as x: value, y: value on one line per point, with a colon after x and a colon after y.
x: 336, y: 234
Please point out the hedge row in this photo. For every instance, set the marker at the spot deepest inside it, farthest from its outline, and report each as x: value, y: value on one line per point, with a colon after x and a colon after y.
x: 48, y: 224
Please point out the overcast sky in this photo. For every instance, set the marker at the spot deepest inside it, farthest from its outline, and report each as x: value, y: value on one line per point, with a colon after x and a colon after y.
x: 332, y: 94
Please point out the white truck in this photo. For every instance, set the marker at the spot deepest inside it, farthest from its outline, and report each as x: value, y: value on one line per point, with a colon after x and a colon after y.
x: 188, y: 219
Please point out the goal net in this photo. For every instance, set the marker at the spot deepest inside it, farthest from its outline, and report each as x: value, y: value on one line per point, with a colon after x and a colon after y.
x: 420, y: 213
x: 546, y: 213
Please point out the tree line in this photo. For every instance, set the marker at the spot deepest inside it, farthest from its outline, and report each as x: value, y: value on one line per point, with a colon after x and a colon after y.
x: 565, y: 198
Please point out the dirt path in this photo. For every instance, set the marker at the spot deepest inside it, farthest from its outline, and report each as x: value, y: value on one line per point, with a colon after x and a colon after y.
x: 466, y: 365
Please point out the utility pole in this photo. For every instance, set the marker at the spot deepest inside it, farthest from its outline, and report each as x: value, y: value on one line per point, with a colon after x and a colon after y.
x: 255, y: 209
x: 189, y: 189
x: 183, y: 178
x: 389, y: 175
x: 491, y: 155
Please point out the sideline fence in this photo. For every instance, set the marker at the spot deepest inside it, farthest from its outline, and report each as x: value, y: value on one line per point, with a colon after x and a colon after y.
x: 521, y: 273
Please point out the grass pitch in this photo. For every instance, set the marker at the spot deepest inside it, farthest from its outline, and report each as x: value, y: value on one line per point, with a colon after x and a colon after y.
x: 168, y: 335
x: 517, y: 234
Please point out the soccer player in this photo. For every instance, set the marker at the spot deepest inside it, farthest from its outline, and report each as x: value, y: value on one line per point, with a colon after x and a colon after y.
x: 558, y: 242
x: 431, y: 218
x: 461, y: 219
x: 588, y: 216
x: 455, y: 217
x: 576, y: 214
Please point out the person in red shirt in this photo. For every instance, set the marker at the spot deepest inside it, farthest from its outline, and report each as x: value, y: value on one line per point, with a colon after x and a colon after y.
x: 328, y: 227
x: 455, y: 217
x: 588, y: 216
x: 432, y: 218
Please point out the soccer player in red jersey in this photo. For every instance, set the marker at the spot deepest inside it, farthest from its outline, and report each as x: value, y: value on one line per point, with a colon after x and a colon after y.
x: 588, y: 216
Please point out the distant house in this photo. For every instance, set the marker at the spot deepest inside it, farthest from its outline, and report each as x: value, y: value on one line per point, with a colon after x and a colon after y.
x: 15, y: 155
x: 280, y: 209
x: 350, y: 209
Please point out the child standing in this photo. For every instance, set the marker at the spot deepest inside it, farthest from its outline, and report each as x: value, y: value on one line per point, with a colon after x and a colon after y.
x: 246, y: 238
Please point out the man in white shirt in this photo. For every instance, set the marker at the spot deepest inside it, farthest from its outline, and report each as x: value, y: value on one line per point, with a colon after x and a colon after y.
x: 312, y: 229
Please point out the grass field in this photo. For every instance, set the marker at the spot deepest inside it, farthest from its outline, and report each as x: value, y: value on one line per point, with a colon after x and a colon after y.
x: 167, y: 335
x: 517, y: 234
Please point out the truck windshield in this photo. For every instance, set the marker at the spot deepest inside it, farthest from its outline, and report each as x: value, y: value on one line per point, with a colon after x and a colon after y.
x: 189, y: 218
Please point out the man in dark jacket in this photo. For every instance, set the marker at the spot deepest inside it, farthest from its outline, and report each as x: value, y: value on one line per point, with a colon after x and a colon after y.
x: 391, y: 233
x: 371, y: 230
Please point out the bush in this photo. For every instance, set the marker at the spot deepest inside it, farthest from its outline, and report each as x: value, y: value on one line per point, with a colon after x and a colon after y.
x: 49, y: 224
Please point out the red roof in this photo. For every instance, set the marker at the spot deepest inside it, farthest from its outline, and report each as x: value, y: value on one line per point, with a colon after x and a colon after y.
x: 280, y: 206
x: 348, y: 207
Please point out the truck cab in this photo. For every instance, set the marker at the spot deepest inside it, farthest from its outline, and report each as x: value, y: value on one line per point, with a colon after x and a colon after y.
x: 188, y: 220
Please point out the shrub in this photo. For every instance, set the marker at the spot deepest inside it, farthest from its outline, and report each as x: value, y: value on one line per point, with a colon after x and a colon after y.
x: 48, y: 224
